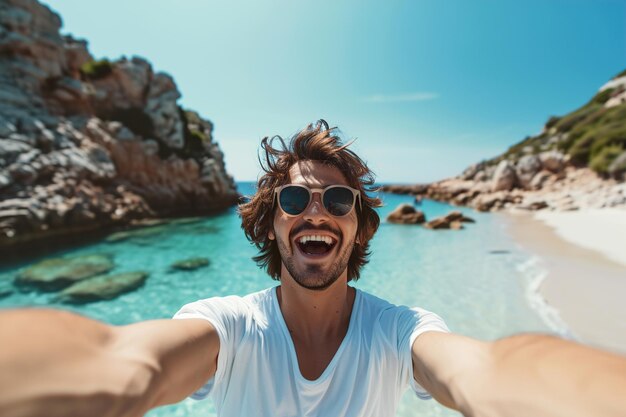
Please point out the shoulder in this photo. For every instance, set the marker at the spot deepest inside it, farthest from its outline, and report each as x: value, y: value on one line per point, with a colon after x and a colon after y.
x: 378, y: 315
x: 384, y: 309
x: 373, y: 304
x: 231, y: 306
x: 393, y: 318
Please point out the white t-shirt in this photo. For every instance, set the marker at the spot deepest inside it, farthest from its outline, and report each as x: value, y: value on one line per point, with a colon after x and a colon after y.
x: 257, y: 367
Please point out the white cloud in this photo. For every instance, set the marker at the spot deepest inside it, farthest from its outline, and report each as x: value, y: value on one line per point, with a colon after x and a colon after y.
x: 394, y: 98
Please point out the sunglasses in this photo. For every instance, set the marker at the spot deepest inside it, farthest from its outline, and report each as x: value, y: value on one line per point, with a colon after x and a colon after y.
x: 338, y: 200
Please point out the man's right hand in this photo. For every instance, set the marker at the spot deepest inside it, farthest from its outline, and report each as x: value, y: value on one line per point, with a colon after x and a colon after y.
x: 56, y: 363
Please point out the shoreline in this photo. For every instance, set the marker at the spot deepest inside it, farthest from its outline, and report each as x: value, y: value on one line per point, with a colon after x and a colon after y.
x: 581, y: 277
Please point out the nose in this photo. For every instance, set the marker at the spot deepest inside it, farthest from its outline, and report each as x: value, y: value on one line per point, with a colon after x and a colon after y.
x: 315, y: 212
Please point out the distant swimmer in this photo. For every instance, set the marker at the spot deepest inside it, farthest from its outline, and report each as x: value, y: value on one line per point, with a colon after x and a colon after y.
x: 312, y: 345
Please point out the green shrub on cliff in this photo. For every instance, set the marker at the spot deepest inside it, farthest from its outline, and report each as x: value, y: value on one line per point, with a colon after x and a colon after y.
x: 552, y: 121
x: 603, y: 96
x: 198, y: 136
x: 567, y: 122
x: 195, y: 139
x: 585, y: 114
x: 604, y: 127
x: 191, y: 117
x: 94, y: 70
x: 601, y: 162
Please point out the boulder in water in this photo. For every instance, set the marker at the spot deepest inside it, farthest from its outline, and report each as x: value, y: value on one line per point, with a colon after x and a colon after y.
x: 453, y: 220
x: 57, y: 273
x: 103, y: 287
x: 406, y: 214
x: 190, y: 264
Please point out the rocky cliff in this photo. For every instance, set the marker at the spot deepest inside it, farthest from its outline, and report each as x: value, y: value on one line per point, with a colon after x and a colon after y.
x: 577, y: 161
x: 87, y: 144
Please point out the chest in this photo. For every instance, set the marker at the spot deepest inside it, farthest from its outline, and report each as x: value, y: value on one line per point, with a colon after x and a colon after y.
x: 314, y: 358
x: 361, y: 377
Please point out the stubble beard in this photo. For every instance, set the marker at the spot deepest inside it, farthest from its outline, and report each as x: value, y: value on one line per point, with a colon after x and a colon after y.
x: 314, y: 277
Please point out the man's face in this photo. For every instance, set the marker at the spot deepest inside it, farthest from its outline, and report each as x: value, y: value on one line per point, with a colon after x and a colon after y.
x: 314, y: 264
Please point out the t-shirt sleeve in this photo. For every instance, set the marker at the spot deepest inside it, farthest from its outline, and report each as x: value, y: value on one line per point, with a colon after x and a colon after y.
x: 228, y: 316
x: 412, y: 323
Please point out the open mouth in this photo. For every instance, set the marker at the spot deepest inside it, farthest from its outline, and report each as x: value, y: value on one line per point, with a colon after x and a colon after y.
x: 315, y: 245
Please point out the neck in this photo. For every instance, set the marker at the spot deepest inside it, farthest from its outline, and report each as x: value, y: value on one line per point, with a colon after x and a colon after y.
x: 313, y: 315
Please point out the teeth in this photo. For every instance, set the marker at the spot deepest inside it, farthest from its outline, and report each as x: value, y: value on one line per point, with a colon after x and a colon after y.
x: 326, y: 239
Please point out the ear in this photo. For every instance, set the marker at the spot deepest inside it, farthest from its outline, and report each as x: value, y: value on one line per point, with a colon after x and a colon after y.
x: 271, y: 235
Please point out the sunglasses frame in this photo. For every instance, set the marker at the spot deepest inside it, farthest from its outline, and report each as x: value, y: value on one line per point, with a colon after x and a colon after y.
x: 356, y: 196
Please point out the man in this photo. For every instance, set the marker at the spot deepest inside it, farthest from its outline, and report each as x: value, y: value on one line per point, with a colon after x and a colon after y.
x: 312, y: 346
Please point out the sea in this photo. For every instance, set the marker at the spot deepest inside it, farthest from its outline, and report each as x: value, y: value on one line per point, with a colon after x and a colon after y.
x: 478, y: 279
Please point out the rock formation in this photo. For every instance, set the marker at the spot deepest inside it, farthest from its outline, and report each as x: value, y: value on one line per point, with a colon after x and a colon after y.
x: 577, y: 161
x: 57, y: 273
x: 453, y: 220
x: 87, y: 144
x: 102, y: 287
x: 406, y: 214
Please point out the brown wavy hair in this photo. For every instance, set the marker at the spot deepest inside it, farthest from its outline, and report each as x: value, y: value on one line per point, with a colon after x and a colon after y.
x: 316, y: 142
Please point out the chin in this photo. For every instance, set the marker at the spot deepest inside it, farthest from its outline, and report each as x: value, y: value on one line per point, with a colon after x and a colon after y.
x: 315, y: 283
x: 313, y: 277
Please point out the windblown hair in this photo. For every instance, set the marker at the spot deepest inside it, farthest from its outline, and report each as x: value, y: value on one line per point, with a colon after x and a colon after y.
x: 314, y: 143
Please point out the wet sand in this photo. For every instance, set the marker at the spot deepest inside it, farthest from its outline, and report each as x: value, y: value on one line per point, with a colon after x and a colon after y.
x: 586, y: 284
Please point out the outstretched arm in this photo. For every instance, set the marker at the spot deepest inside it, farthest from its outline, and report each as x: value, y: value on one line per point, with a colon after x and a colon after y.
x: 520, y: 376
x: 56, y: 363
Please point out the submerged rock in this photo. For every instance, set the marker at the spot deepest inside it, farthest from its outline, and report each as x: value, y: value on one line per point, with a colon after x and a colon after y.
x: 190, y: 264
x: 103, y: 287
x: 406, y: 214
x: 140, y: 233
x: 57, y: 273
x: 5, y: 289
x: 187, y: 220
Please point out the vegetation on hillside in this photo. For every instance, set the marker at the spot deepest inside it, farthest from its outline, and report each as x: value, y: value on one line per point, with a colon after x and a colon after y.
x: 593, y: 135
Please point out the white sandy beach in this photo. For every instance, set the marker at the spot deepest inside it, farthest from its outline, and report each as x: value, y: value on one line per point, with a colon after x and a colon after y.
x: 584, y: 253
x: 601, y: 230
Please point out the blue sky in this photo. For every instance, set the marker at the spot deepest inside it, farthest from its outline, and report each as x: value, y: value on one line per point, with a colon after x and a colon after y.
x: 426, y: 87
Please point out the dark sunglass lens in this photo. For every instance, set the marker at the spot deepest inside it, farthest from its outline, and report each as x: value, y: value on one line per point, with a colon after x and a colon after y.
x: 338, y: 201
x: 293, y: 200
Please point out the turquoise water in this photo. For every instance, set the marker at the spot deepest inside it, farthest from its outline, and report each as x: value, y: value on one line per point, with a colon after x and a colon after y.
x: 454, y: 273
